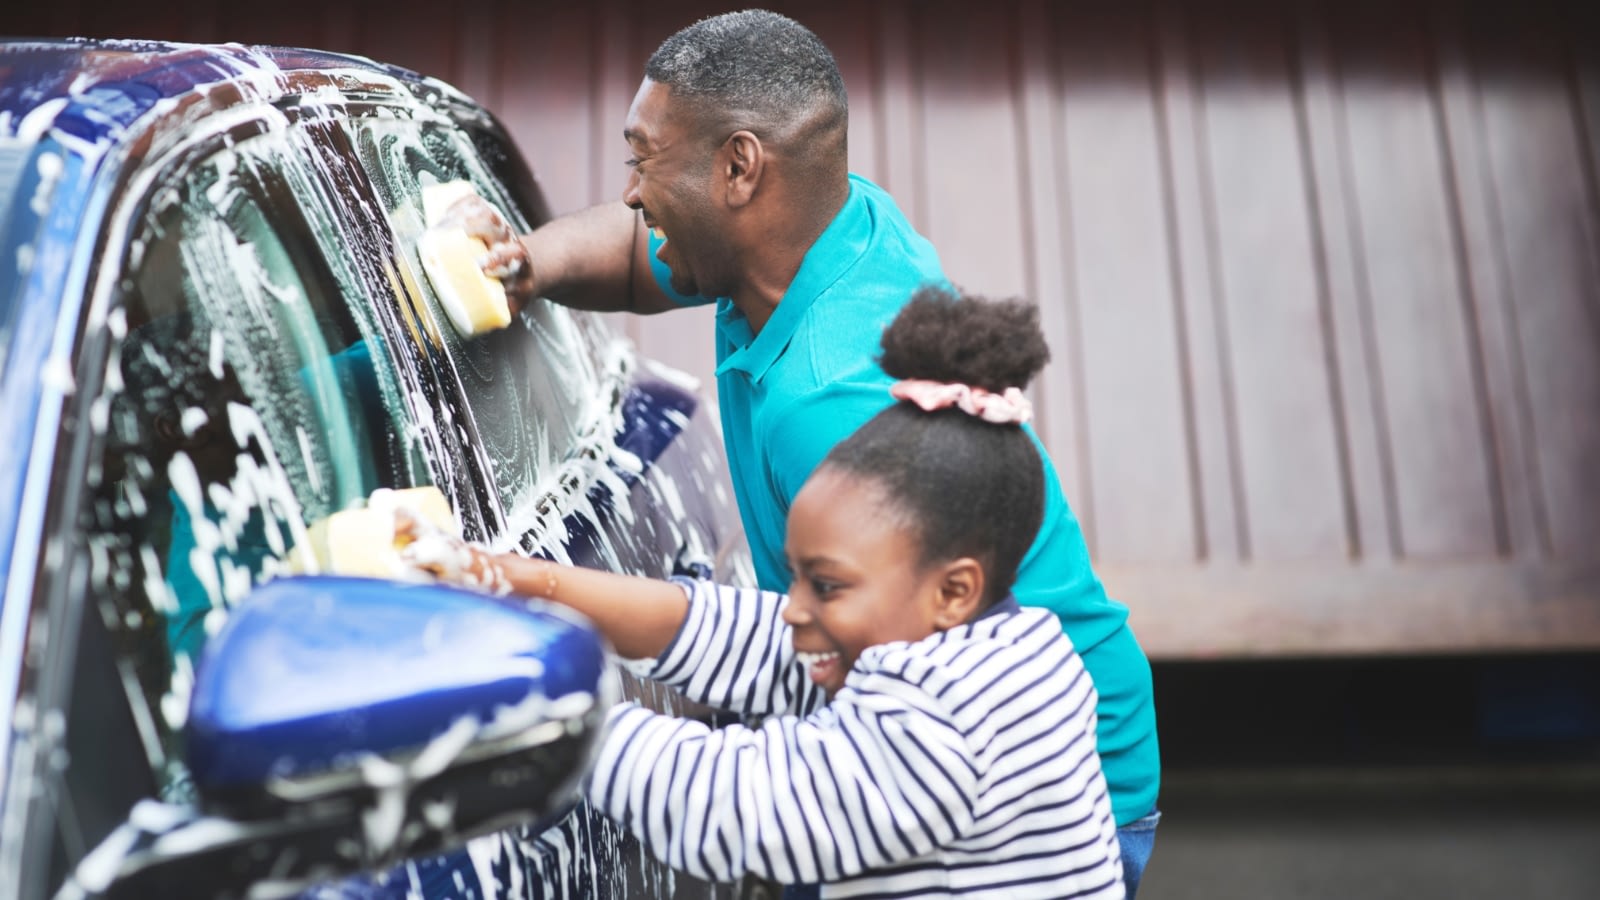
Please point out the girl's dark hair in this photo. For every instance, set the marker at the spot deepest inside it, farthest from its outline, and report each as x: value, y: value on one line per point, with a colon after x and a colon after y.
x: 967, y: 487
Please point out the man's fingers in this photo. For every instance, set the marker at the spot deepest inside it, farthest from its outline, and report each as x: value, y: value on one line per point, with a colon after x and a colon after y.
x: 506, y: 261
x: 507, y: 258
x: 479, y: 218
x: 509, y: 262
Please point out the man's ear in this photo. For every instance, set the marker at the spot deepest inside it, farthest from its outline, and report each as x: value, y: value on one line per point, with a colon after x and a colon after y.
x: 744, y: 162
x: 960, y: 593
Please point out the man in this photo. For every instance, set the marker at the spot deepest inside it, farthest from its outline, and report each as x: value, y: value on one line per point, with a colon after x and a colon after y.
x: 738, y: 190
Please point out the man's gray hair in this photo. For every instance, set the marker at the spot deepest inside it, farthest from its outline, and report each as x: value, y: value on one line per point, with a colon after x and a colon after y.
x: 752, y: 63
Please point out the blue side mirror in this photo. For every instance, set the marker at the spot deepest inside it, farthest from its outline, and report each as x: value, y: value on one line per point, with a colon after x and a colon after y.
x: 341, y: 724
x: 315, y: 680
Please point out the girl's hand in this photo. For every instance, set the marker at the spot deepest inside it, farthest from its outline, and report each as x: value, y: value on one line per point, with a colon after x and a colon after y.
x: 640, y: 616
x: 447, y: 558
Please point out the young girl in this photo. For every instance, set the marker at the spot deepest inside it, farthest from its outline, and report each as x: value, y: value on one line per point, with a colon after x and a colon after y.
x: 925, y: 735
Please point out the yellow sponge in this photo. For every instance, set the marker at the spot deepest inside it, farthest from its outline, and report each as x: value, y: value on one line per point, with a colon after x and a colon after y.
x: 363, y: 541
x: 437, y: 198
x: 474, y: 302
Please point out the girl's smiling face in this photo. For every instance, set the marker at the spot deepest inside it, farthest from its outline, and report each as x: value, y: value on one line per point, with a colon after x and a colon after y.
x: 859, y: 579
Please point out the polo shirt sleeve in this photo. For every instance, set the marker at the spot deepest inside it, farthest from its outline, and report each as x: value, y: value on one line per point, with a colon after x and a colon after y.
x: 663, y: 277
x: 798, y: 436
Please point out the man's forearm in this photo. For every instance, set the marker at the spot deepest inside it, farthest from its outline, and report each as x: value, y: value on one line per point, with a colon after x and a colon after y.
x: 596, y: 259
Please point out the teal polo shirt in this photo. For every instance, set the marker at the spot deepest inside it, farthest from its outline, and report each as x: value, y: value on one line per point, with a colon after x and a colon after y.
x: 810, y: 379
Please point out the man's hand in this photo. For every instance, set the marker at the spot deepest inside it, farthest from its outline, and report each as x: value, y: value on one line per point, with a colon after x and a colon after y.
x: 507, y: 258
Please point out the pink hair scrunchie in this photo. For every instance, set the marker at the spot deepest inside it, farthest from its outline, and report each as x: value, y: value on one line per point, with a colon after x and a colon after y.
x: 1007, y: 408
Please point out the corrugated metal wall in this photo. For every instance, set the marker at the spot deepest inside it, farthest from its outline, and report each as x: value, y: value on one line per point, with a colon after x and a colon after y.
x: 1322, y: 280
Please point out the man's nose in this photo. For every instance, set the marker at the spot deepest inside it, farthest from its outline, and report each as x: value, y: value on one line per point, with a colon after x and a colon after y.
x: 630, y: 191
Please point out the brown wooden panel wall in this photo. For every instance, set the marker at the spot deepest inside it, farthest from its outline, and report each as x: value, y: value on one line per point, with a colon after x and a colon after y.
x: 1322, y: 279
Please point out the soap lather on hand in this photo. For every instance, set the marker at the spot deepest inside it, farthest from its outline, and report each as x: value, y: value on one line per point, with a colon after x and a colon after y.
x: 499, y: 257
x: 459, y: 264
x: 445, y: 556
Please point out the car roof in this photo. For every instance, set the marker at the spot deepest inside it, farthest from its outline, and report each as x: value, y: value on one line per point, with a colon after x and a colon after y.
x: 109, y: 83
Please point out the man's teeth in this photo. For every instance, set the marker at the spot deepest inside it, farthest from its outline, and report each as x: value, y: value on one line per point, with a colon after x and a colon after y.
x: 660, y: 235
x: 811, y: 659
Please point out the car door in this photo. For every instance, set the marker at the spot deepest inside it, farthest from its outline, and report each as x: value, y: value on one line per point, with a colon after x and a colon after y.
x: 261, y: 352
x: 226, y: 398
x: 540, y: 404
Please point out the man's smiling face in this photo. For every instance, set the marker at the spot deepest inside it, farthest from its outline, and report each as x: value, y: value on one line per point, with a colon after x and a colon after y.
x: 671, y: 181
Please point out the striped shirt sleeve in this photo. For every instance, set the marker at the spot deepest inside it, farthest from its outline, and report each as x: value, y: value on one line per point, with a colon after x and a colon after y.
x: 734, y: 652
x: 879, y: 778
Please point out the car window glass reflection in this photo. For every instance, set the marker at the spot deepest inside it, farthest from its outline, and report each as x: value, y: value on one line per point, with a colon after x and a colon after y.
x: 242, y: 403
x: 531, y: 389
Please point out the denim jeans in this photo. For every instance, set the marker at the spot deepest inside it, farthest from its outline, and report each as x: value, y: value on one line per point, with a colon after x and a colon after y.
x: 1137, y: 838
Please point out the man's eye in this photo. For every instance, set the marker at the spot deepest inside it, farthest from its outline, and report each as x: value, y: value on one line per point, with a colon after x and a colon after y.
x: 631, y: 162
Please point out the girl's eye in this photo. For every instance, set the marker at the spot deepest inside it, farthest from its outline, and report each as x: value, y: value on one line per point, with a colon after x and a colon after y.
x: 823, y: 588
x: 631, y: 162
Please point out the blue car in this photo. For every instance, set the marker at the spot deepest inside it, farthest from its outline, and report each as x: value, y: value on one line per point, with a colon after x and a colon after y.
x: 215, y: 332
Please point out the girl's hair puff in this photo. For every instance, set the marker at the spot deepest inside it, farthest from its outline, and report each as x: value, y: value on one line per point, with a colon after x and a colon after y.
x: 966, y: 487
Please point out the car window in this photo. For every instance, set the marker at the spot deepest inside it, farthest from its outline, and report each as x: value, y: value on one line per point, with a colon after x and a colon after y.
x: 13, y: 156
x: 531, y: 395
x: 242, y: 401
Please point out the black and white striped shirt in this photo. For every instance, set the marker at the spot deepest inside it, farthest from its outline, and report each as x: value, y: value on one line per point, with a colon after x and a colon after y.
x: 963, y: 763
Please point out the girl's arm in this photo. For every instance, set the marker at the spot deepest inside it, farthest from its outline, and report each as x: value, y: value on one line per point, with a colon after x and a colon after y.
x: 639, y: 616
x: 859, y: 787
x: 727, y: 648
x: 734, y: 652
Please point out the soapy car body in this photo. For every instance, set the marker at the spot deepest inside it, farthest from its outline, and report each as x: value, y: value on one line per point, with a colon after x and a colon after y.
x: 215, y: 332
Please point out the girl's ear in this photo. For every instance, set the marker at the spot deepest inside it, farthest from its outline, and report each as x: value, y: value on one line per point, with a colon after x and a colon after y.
x: 960, y: 593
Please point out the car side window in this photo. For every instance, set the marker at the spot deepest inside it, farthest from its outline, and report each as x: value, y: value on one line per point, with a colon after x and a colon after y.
x: 242, y: 401
x: 531, y: 392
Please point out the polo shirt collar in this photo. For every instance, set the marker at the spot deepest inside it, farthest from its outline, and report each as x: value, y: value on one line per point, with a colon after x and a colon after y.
x: 835, y: 251
x: 1005, y: 606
